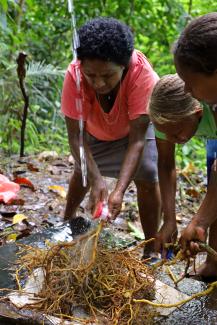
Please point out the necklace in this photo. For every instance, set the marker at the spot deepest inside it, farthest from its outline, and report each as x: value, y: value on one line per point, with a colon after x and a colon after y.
x: 105, y: 115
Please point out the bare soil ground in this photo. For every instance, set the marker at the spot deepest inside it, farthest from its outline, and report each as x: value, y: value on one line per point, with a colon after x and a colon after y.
x: 44, y: 181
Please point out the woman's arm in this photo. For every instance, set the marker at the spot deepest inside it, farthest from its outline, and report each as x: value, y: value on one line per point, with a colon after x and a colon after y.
x: 206, y: 215
x: 95, y: 179
x: 207, y: 212
x: 130, y: 163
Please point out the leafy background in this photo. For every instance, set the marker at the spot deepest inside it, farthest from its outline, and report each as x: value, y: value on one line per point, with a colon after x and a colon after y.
x: 42, y: 29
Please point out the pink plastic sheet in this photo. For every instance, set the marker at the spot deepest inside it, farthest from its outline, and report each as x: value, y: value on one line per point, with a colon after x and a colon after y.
x: 8, y: 189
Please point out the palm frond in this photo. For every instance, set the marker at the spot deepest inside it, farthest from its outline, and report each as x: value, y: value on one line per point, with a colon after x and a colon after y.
x: 42, y: 70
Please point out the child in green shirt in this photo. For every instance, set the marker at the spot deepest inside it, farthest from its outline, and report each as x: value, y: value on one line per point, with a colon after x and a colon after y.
x: 177, y: 117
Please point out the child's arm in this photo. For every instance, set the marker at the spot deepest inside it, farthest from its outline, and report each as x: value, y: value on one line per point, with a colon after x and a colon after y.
x: 167, y: 180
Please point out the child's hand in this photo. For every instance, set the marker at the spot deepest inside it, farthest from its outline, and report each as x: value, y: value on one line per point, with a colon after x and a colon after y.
x: 167, y: 234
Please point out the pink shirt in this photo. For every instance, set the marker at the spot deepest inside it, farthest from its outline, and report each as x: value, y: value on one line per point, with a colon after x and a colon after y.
x: 131, y: 100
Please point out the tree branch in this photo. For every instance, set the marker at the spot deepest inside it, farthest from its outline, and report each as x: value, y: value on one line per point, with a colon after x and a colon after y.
x: 21, y: 72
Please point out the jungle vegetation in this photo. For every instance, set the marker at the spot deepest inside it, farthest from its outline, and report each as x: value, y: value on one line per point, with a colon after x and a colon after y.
x: 42, y: 29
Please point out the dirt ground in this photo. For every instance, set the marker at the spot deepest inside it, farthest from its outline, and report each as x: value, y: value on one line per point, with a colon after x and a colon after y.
x: 44, y: 181
x: 41, y: 200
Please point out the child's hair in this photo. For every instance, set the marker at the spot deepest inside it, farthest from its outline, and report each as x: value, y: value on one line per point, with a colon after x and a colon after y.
x: 169, y: 102
x: 106, y: 39
x: 196, y: 47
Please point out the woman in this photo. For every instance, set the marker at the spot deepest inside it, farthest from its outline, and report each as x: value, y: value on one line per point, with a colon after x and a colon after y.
x: 177, y: 116
x: 195, y: 56
x: 117, y: 81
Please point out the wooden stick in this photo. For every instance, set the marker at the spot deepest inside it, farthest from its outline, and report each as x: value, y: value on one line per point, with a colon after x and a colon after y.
x: 21, y: 72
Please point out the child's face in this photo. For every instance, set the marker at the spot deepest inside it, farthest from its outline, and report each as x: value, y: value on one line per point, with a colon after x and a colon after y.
x: 180, y: 131
x: 201, y: 86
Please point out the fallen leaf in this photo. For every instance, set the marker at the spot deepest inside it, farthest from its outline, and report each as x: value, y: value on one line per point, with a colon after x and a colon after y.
x: 54, y: 170
x: 18, y: 172
x: 18, y: 218
x: 189, y: 169
x: 193, y: 192
x: 16, y: 202
x: 58, y: 189
x: 12, y: 237
x: 137, y: 233
x: 24, y: 233
x: 47, y: 155
x: 32, y: 168
x: 24, y: 182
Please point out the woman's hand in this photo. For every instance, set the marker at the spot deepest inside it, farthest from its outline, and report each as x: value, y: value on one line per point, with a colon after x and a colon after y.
x: 115, y: 203
x: 193, y: 232
x: 98, y: 192
x: 167, y: 234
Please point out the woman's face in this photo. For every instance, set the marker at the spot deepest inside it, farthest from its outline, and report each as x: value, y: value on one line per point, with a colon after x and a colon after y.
x: 103, y: 76
x: 201, y: 86
x: 180, y: 131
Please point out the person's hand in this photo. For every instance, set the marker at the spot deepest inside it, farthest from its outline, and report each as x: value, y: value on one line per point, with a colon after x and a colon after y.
x: 167, y: 234
x: 192, y: 233
x: 115, y: 203
x: 98, y: 192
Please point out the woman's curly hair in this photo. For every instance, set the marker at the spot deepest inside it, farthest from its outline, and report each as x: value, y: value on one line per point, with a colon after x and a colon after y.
x: 196, y: 47
x: 105, y: 39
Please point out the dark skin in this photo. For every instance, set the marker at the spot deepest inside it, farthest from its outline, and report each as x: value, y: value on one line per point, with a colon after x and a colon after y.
x: 203, y: 87
x: 95, y: 180
x: 176, y: 132
x: 167, y: 175
x: 148, y: 194
x: 104, y: 78
x: 206, y: 216
x: 130, y: 163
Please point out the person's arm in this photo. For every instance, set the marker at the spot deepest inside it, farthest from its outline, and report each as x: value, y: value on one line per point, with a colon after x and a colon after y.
x: 206, y: 215
x: 130, y: 163
x: 95, y: 179
x: 167, y: 180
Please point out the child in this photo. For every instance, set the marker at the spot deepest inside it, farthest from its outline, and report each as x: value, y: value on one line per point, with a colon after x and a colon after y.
x: 177, y: 116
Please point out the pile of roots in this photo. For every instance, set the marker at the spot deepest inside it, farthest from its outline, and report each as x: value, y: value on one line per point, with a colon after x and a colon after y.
x: 104, y: 283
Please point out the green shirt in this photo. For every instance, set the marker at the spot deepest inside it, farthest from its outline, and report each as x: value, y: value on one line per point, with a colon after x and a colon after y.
x: 207, y: 126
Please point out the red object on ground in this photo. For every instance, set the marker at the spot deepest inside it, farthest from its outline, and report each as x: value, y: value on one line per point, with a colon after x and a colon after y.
x: 24, y: 182
x: 8, y: 189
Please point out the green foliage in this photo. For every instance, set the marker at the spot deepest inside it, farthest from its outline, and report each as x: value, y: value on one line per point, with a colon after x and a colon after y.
x: 42, y: 28
x: 194, y: 151
x: 43, y: 84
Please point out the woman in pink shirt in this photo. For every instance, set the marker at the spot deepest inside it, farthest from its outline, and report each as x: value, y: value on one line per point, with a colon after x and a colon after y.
x: 116, y: 83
